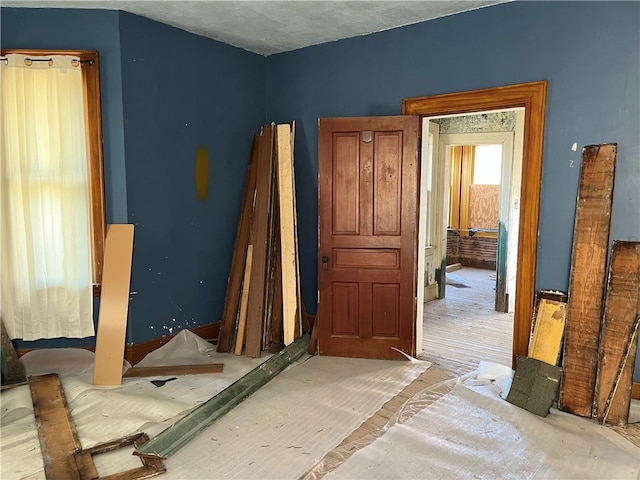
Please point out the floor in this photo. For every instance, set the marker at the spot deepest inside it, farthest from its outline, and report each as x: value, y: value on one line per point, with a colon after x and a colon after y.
x: 463, y: 328
x: 460, y: 331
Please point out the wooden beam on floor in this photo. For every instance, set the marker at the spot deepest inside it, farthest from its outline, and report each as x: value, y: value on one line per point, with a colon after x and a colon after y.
x: 168, y: 370
x: 232, y: 298
x: 619, y: 337
x: 588, y: 275
x: 60, y: 445
x: 56, y: 431
x: 184, y: 430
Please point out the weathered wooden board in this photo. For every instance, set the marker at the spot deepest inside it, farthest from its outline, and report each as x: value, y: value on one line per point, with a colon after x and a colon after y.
x: 260, y: 231
x: 231, y: 303
x: 587, y: 280
x: 167, y: 370
x: 114, y: 305
x: 56, y: 431
x: 619, y: 335
x: 184, y: 430
x: 151, y: 467
x: 546, y: 343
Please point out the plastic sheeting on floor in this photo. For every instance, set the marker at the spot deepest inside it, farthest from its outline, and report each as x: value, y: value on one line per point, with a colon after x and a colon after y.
x: 281, y: 431
x: 476, y: 434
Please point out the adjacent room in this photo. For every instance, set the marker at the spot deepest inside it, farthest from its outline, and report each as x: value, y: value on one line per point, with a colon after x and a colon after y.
x: 342, y: 239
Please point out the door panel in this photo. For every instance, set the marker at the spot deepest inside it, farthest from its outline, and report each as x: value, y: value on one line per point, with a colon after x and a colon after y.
x: 367, y: 171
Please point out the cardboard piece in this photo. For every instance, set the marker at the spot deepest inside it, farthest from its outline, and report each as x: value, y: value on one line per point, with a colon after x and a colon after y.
x: 114, y: 306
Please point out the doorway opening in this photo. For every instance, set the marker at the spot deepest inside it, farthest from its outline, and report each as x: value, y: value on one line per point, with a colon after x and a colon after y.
x: 532, y: 98
x: 470, y: 206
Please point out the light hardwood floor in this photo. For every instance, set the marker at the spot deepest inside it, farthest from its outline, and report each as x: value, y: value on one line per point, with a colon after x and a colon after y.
x: 463, y: 328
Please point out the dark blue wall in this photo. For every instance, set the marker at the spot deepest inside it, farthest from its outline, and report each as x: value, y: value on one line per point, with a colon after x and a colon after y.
x: 182, y: 92
x: 165, y: 93
x: 588, y: 51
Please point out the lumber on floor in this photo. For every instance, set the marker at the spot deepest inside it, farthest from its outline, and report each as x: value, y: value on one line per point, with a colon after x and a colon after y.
x: 167, y: 370
x: 56, y: 432
x: 586, y: 286
x: 229, y: 314
x: 619, y: 335
x: 59, y: 442
x: 180, y: 433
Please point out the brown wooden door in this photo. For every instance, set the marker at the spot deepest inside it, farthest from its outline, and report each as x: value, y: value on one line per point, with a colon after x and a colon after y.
x: 368, y: 197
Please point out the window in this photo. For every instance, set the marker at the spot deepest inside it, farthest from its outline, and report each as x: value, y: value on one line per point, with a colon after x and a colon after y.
x: 93, y: 123
x: 51, y: 176
x: 475, y: 188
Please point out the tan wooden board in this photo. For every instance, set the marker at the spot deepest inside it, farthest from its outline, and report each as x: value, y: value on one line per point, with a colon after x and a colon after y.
x: 232, y: 298
x: 619, y: 335
x: 287, y: 233
x: 114, y: 305
x: 548, y: 331
x: 167, y: 370
x: 587, y: 279
x: 244, y: 299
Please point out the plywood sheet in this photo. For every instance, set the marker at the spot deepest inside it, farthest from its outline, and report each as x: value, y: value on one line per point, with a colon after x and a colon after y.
x: 548, y: 331
x: 588, y: 274
x: 114, y: 305
x: 619, y: 335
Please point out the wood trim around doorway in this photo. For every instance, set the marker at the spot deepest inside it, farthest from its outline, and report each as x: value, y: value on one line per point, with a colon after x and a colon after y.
x: 532, y: 96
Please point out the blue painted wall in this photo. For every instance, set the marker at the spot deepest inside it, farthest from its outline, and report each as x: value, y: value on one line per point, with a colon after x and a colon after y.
x: 588, y: 51
x: 165, y: 92
x: 181, y: 92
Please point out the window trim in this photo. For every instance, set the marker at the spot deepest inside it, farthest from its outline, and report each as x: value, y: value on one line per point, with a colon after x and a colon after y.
x: 90, y: 66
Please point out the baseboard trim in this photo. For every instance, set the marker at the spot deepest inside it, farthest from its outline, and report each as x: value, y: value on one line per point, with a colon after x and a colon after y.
x: 635, y: 391
x: 134, y: 353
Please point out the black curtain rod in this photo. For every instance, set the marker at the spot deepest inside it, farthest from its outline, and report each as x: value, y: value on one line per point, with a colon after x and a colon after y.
x: 90, y: 61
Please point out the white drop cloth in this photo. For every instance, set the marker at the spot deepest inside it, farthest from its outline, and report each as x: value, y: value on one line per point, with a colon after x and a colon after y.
x: 466, y: 434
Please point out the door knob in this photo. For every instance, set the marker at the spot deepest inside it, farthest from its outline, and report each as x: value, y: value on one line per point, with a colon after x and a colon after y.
x: 325, y: 261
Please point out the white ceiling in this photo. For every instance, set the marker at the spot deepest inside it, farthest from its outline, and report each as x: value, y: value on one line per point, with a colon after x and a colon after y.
x: 273, y: 26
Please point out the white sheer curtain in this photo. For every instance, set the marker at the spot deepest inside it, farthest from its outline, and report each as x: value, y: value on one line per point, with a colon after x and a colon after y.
x: 45, y: 246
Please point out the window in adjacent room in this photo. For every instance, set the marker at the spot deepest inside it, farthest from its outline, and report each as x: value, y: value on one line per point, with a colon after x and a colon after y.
x: 51, y: 192
x: 475, y: 188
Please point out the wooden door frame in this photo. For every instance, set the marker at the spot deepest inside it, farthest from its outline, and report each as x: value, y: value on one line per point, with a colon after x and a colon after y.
x: 532, y: 96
